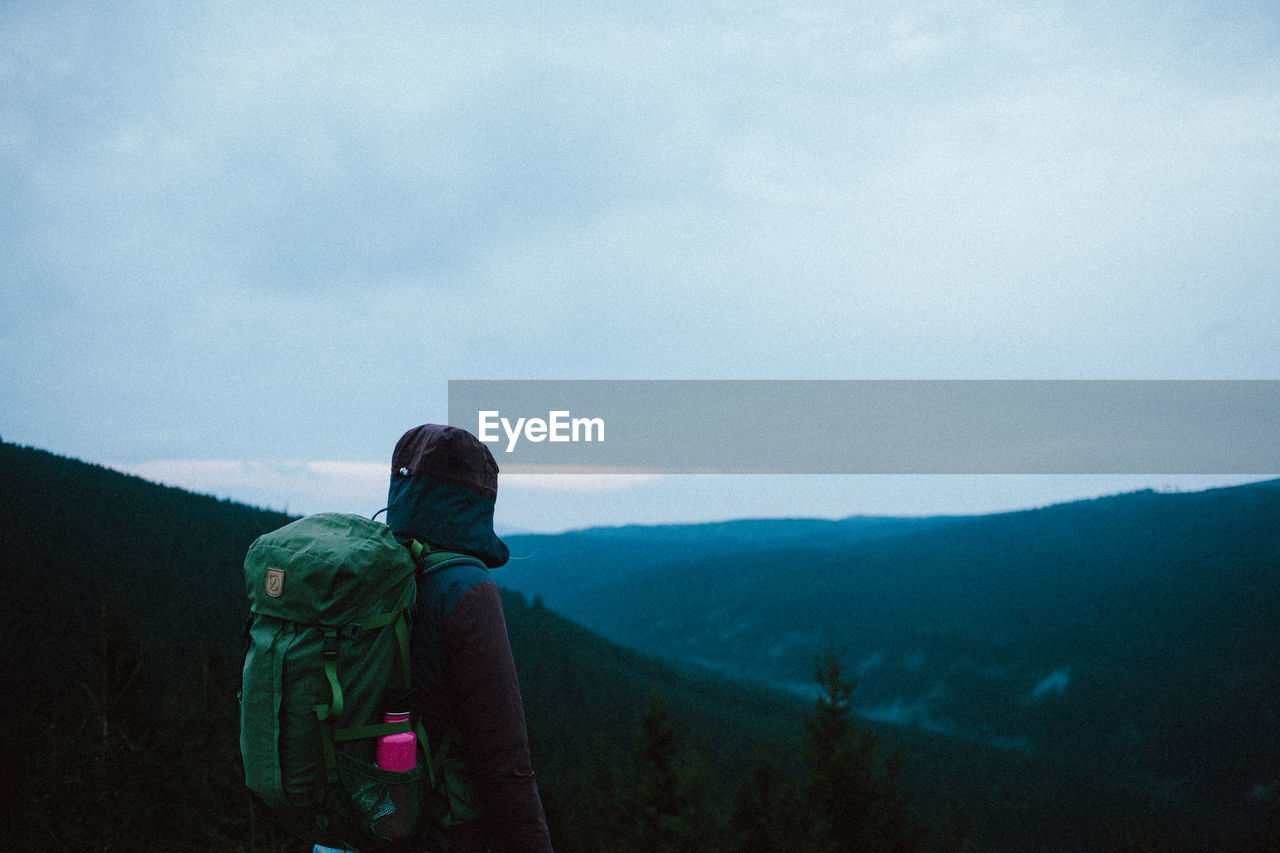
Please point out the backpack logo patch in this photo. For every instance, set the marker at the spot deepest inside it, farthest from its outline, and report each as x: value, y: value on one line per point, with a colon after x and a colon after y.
x: 275, y: 582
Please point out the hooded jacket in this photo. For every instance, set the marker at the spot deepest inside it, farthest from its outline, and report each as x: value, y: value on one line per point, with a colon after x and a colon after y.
x: 443, y: 488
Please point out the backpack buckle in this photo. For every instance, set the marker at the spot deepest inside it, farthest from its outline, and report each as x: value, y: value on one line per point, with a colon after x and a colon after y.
x: 330, y: 645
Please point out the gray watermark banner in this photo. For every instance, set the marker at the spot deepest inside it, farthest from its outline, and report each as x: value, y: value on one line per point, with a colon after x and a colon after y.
x: 874, y: 426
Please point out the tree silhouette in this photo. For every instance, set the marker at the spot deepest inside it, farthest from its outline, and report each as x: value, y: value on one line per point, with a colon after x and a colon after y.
x: 93, y: 760
x: 667, y: 800
x: 851, y: 791
x: 766, y: 815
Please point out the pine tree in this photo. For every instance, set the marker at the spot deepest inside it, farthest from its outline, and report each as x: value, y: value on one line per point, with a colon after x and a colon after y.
x: 594, y: 814
x: 766, y: 815
x: 851, y: 790
x: 668, y: 799
x: 204, y: 780
x: 90, y: 773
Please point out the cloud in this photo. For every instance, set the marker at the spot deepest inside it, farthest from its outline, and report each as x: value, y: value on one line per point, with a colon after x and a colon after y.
x: 333, y: 486
x: 584, y: 483
x: 1053, y: 684
x: 218, y: 209
x: 917, y: 714
x: 299, y: 487
x: 869, y: 663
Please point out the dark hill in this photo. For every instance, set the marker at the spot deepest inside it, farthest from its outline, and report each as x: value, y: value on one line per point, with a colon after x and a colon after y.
x: 558, y: 567
x: 105, y: 572
x: 1135, y: 637
x: 1087, y: 676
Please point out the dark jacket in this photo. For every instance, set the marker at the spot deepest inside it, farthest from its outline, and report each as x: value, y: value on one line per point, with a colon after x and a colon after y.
x: 464, y: 682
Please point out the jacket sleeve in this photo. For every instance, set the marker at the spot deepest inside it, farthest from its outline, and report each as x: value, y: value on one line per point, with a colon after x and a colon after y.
x: 490, y: 719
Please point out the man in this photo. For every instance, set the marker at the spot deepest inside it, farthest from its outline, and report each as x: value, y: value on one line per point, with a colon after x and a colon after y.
x: 444, y: 482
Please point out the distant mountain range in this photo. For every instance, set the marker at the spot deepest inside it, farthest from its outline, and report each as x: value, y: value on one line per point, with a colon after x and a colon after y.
x: 1138, y: 633
x: 1052, y: 675
x: 559, y: 566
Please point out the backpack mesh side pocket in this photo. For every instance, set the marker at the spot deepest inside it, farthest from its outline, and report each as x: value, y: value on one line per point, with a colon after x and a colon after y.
x: 387, y: 803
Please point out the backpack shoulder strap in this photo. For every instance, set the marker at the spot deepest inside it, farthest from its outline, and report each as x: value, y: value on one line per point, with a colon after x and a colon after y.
x: 430, y: 561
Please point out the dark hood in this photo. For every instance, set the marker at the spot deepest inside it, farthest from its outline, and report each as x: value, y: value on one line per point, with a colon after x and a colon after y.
x: 444, y: 482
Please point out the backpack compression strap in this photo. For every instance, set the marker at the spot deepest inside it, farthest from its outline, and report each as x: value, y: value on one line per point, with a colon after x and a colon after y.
x: 428, y: 561
x: 325, y: 713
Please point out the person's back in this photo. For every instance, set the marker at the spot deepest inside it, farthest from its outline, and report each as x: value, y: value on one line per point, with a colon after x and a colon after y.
x: 465, y: 692
x: 465, y: 684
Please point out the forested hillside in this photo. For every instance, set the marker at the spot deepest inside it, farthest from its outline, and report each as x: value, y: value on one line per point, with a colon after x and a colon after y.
x: 560, y: 567
x: 120, y: 729
x: 1099, y: 675
x: 1133, y: 640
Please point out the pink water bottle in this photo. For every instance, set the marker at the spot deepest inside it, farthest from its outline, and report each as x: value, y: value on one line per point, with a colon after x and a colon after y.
x: 398, y: 751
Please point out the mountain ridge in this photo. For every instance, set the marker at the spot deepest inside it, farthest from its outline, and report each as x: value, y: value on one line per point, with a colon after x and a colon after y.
x: 1140, y: 630
x: 979, y: 731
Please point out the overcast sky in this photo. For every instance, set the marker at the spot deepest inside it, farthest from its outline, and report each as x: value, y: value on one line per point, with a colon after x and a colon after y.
x: 244, y: 245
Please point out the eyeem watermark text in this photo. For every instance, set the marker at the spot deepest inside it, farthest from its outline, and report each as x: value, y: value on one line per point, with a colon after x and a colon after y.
x: 558, y: 426
x: 878, y: 426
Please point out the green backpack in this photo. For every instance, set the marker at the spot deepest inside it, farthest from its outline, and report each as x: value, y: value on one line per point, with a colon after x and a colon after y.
x: 332, y: 600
